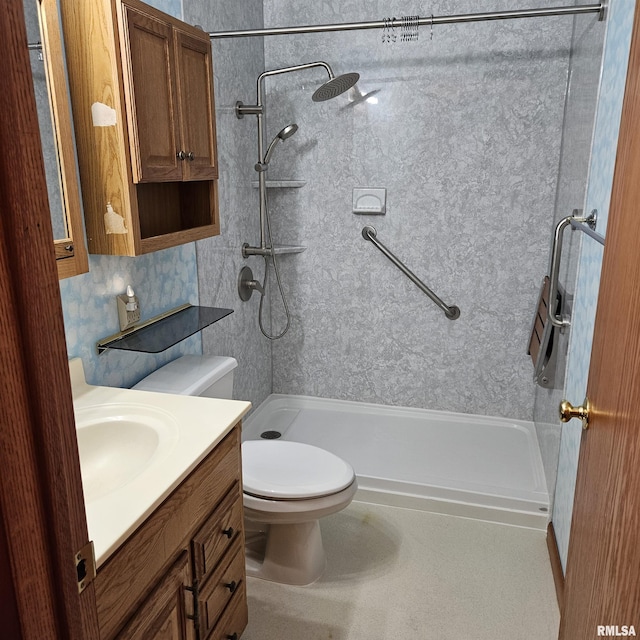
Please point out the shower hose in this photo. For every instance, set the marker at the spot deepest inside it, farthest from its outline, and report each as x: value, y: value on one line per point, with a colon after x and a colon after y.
x: 266, y: 277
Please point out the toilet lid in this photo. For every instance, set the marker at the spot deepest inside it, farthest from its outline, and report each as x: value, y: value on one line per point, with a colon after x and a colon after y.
x: 292, y: 470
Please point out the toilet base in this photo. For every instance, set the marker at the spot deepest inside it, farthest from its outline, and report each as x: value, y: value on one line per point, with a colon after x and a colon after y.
x: 287, y: 553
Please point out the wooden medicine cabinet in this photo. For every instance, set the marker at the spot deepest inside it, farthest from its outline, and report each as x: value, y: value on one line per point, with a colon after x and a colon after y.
x: 56, y: 133
x: 142, y: 91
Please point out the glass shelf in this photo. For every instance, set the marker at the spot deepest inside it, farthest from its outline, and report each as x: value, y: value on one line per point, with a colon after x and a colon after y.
x: 164, y: 330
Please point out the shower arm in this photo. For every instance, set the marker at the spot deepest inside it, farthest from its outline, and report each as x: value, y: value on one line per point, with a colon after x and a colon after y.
x: 258, y: 111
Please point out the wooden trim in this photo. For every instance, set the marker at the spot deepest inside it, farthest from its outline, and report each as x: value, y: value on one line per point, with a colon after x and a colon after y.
x: 51, y: 29
x: 41, y: 505
x: 556, y: 565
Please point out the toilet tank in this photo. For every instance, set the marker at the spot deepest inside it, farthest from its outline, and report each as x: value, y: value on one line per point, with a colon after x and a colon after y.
x: 209, y: 376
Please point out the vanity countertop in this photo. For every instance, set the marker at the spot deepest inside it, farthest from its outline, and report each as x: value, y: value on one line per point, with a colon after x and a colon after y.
x: 192, y: 426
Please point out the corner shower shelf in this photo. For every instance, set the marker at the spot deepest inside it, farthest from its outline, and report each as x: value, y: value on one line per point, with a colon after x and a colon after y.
x: 286, y: 248
x: 281, y: 184
x: 165, y: 330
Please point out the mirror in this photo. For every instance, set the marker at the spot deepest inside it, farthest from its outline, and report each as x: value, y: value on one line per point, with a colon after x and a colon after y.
x: 48, y: 69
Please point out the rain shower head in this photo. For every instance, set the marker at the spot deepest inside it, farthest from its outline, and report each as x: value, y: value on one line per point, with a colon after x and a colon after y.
x: 285, y: 133
x: 335, y: 86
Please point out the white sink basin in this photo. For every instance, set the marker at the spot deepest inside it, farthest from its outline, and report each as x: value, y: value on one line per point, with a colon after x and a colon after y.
x: 117, y: 443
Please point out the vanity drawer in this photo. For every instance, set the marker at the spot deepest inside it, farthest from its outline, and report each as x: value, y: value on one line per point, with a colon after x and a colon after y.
x: 224, y: 592
x: 221, y: 530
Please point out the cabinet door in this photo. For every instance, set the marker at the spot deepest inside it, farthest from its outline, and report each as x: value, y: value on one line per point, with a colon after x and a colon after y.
x: 151, y: 98
x: 163, y: 615
x: 197, y: 111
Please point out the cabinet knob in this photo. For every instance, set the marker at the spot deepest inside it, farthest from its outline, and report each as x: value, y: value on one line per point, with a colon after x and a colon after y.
x: 181, y: 155
x: 232, y: 586
x: 190, y: 156
x: 232, y: 636
x: 228, y: 532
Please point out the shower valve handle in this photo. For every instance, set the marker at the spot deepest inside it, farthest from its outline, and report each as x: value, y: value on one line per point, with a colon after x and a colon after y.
x: 255, y: 285
x: 247, y: 284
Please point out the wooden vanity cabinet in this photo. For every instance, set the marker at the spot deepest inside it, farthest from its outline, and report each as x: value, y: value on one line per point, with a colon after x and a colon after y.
x: 181, y: 575
x: 141, y: 85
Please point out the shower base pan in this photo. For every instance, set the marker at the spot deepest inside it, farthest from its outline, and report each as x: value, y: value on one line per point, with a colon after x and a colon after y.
x: 458, y: 464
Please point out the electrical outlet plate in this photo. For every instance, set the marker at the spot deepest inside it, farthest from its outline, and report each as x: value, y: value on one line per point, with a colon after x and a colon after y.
x: 127, y: 318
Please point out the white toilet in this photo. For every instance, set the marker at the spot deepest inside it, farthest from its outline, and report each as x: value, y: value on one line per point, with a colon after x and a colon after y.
x: 287, y: 486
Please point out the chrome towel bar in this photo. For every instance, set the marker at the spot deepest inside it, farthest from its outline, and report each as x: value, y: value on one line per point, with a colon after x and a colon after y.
x: 576, y: 221
x: 369, y: 233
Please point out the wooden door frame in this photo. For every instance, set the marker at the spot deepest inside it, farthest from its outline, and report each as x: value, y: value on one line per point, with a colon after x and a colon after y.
x: 42, y: 519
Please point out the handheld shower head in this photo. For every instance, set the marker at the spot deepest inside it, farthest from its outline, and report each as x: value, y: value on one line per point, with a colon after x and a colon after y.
x: 335, y: 86
x: 285, y: 133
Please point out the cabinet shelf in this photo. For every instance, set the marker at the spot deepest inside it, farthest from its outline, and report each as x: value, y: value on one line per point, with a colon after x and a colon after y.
x: 164, y: 331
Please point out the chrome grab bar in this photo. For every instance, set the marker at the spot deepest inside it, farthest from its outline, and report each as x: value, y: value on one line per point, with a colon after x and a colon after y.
x: 577, y: 222
x: 369, y: 233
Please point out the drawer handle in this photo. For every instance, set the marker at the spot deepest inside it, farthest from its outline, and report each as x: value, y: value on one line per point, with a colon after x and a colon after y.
x: 228, y: 532
x: 233, y: 636
x: 232, y: 586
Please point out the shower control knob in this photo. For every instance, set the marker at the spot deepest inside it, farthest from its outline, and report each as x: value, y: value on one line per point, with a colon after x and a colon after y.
x: 568, y: 411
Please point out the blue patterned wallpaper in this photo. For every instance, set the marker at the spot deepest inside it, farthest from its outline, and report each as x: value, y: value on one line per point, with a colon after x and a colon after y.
x: 161, y: 280
x: 605, y: 141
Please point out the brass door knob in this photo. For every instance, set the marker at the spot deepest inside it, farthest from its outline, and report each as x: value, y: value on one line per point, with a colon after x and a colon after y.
x: 568, y: 411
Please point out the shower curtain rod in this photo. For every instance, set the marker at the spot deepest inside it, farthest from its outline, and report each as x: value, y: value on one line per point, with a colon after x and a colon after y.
x: 426, y: 21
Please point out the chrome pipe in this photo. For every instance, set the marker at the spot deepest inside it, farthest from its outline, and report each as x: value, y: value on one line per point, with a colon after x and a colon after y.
x: 588, y: 227
x: 452, y: 312
x: 258, y: 110
x: 429, y: 21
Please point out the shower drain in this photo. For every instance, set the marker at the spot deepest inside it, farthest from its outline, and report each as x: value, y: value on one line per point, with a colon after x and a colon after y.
x: 270, y: 435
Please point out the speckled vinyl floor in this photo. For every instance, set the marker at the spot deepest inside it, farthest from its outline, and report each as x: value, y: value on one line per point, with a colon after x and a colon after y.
x: 398, y: 573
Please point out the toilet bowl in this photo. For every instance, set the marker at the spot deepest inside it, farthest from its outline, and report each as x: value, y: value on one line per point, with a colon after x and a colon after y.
x: 287, y: 486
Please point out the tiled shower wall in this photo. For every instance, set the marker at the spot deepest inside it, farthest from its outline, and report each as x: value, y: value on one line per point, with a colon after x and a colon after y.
x: 464, y: 132
x: 577, y: 134
x: 237, y: 64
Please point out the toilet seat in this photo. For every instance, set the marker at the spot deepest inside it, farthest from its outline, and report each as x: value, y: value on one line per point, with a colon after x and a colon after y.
x: 287, y: 470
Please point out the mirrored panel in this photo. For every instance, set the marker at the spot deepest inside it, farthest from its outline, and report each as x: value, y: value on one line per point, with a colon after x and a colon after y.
x: 54, y: 115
